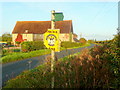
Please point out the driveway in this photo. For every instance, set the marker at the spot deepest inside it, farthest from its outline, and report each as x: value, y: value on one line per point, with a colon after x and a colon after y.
x: 11, y: 70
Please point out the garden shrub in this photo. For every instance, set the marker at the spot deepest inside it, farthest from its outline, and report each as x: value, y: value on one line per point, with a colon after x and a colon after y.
x: 32, y: 45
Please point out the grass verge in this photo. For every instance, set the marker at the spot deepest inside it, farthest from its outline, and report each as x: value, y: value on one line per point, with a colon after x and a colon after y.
x: 20, y: 56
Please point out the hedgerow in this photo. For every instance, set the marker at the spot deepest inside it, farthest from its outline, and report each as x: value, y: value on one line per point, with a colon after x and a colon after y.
x: 37, y: 45
x: 10, y: 57
x: 68, y: 44
x: 32, y: 46
x: 90, y: 69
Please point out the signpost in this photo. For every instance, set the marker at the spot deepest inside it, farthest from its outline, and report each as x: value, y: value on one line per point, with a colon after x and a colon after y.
x: 51, y: 39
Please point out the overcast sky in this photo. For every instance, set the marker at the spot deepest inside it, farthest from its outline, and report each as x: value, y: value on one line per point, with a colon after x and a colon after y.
x: 94, y: 20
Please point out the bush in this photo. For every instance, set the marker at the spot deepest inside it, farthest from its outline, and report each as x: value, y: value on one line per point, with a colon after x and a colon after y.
x: 32, y: 45
x: 17, y: 42
x: 16, y: 50
x: 70, y: 44
x: 83, y: 40
x: 6, y: 52
x: 8, y: 43
x: 90, y: 41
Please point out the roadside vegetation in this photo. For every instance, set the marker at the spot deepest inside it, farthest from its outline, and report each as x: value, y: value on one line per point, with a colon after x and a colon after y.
x: 20, y: 56
x: 98, y: 67
x: 33, y: 49
x: 6, y: 37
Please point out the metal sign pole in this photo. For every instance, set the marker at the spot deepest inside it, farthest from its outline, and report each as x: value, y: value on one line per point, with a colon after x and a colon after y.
x: 52, y: 51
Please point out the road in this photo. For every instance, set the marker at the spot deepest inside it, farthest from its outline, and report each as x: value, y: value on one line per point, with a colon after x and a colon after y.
x: 11, y: 70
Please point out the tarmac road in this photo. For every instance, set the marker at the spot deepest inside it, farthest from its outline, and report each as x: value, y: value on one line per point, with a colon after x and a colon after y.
x: 11, y: 70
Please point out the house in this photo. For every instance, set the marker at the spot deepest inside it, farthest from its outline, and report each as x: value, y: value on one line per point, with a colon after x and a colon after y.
x: 34, y: 30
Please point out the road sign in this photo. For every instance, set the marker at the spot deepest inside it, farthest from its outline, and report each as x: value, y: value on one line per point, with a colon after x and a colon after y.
x: 51, y: 39
x: 58, y: 16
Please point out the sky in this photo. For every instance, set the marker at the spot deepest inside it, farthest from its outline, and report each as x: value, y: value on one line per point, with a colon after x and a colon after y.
x: 92, y: 20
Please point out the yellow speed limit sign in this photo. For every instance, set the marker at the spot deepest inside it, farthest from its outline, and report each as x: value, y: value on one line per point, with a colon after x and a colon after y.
x: 51, y: 39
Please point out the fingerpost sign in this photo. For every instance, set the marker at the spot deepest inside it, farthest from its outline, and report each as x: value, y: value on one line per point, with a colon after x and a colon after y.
x: 51, y: 39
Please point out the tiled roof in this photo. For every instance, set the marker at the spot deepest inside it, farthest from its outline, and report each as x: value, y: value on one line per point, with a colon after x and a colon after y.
x: 40, y: 27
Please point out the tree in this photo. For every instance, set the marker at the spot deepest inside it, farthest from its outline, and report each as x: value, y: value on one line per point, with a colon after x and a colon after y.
x: 6, y: 37
x: 82, y: 40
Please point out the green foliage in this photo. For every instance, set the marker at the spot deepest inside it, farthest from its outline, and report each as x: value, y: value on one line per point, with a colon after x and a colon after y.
x: 6, y: 52
x: 104, y: 42
x: 32, y: 45
x: 90, y: 41
x: 16, y: 50
x: 87, y: 70
x: 68, y: 44
x: 19, y: 55
x: 111, y: 52
x: 17, y: 42
x: 7, y: 37
x: 114, y: 54
x: 0, y: 38
x: 15, y: 54
x: 83, y: 40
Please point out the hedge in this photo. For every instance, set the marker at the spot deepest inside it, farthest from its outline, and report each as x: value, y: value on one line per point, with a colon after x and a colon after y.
x: 37, y: 45
x: 68, y: 44
x: 80, y: 71
x: 10, y: 57
x: 32, y: 45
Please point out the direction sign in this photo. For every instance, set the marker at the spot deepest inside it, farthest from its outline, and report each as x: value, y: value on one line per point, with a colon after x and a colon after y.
x: 51, y: 39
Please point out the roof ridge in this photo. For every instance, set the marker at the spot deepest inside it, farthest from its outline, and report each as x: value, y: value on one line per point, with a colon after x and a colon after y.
x: 32, y: 21
x: 40, y: 27
x: 41, y: 21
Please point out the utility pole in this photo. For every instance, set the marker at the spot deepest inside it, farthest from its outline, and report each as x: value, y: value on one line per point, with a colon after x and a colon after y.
x: 52, y: 51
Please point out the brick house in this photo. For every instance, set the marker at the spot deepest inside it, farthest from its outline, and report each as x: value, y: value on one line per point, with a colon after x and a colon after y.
x: 34, y: 30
